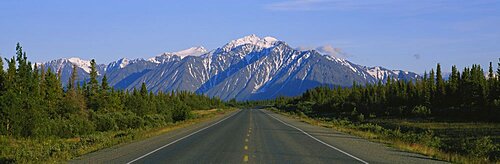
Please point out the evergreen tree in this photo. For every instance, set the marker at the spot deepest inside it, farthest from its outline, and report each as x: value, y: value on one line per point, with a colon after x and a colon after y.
x: 104, y: 84
x: 440, y: 87
x: 93, y: 87
x: 491, y: 86
x: 3, y: 119
x: 72, y: 79
x: 144, y: 90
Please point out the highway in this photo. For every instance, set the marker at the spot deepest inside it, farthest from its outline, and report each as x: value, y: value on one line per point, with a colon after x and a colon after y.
x: 255, y: 136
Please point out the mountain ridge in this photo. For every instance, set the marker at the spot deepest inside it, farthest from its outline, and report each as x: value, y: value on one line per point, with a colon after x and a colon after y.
x: 247, y: 68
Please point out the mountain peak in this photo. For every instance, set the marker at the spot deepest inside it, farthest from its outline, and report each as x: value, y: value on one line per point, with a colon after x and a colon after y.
x: 84, y: 64
x: 253, y: 39
x: 167, y: 56
x: 193, y: 51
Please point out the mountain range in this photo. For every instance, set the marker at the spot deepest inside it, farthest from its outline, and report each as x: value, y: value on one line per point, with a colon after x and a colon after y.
x: 248, y: 68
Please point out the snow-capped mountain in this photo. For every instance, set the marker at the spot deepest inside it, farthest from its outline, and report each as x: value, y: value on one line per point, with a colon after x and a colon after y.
x: 248, y: 68
x: 170, y: 56
x: 65, y: 66
x: 383, y: 74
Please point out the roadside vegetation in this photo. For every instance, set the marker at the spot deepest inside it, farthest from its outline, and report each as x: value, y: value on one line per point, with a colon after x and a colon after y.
x: 457, y: 120
x: 42, y: 120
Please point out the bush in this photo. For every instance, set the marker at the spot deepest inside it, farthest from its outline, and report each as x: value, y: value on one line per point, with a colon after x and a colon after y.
x: 127, y: 120
x: 105, y: 122
x: 483, y: 147
x: 420, y: 111
x: 74, y: 126
x: 361, y: 117
x: 154, y: 120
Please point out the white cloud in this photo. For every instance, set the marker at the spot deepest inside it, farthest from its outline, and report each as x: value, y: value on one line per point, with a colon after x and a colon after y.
x: 408, y: 8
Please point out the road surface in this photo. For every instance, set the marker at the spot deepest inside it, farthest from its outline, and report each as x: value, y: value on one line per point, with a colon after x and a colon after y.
x: 254, y: 136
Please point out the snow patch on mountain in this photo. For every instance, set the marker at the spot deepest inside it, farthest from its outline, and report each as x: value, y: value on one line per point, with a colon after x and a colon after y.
x: 83, y: 64
x: 169, y: 56
x: 253, y: 39
x: 381, y: 73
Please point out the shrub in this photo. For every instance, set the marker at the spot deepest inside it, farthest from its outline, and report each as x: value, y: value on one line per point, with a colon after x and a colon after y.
x: 482, y: 147
x: 421, y: 111
x: 105, y: 123
x: 361, y: 117
x: 154, y: 120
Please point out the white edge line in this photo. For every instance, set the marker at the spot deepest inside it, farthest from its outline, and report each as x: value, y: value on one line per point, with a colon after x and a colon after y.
x: 177, y: 140
x: 333, y: 147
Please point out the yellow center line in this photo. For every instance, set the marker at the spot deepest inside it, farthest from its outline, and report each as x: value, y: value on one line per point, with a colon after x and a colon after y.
x: 246, y: 147
x: 246, y: 140
x: 245, y: 158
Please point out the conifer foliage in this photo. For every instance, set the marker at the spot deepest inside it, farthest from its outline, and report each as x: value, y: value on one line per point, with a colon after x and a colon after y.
x: 466, y: 95
x: 33, y: 103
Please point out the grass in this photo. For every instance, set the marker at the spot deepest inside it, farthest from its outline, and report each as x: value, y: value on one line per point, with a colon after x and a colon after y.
x: 433, y: 139
x: 57, y: 150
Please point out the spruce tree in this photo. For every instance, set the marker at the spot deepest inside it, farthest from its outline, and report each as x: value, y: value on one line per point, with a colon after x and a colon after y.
x: 93, y: 87
x: 104, y: 84
x: 440, y: 87
x: 144, y: 90
x: 72, y: 79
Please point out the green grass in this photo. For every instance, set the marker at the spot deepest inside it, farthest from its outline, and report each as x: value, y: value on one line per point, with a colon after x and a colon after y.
x: 458, y: 142
x: 56, y: 150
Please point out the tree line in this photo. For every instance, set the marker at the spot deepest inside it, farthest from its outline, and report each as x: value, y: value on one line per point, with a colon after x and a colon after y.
x: 465, y: 95
x: 34, y: 103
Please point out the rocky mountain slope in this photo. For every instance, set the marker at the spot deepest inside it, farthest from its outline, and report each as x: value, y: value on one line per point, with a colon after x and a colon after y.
x: 248, y: 68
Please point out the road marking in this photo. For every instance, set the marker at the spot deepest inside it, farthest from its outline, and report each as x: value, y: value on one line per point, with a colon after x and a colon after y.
x: 183, y: 138
x: 324, y: 143
x: 246, y: 140
x: 246, y: 147
x: 248, y: 135
x: 245, y: 158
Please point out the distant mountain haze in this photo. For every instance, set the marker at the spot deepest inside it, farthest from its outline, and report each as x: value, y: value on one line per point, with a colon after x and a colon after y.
x: 248, y: 68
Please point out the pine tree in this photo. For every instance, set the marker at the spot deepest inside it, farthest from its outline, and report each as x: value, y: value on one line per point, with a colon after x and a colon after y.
x: 144, y: 90
x: 452, y: 87
x: 72, y: 79
x: 491, y: 85
x: 2, y: 78
x: 3, y: 119
x: 53, y: 94
x: 440, y: 87
x: 104, y: 84
x: 93, y: 87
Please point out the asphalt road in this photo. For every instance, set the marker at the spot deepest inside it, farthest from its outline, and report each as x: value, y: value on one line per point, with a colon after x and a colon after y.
x: 257, y: 136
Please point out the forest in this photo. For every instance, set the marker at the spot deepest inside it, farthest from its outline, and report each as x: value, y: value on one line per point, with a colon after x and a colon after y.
x: 466, y: 95
x: 33, y: 103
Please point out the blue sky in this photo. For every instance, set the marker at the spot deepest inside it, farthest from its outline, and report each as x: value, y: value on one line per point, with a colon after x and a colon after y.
x: 409, y: 35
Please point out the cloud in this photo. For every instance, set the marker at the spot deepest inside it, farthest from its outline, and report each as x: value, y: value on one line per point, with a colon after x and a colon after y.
x: 416, y: 56
x: 327, y: 49
x: 304, y: 5
x: 386, y: 6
